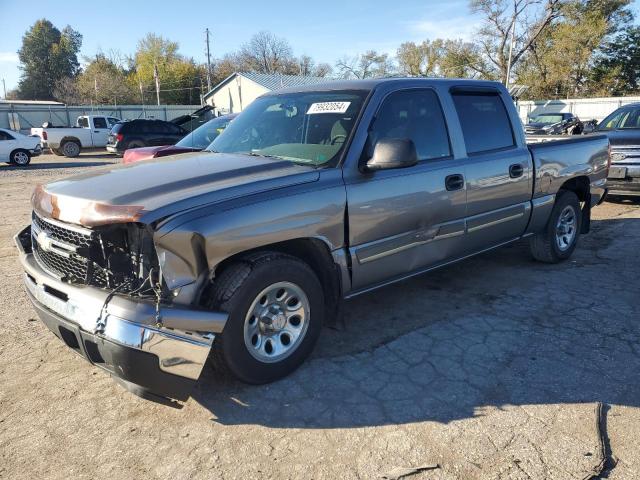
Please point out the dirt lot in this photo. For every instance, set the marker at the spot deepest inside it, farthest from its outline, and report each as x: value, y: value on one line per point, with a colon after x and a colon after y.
x: 492, y: 368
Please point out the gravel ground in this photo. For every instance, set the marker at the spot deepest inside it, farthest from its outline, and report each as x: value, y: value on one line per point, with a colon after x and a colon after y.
x: 492, y: 369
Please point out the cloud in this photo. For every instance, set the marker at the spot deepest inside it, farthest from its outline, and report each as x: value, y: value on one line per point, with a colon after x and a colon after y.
x: 9, y: 57
x: 462, y: 27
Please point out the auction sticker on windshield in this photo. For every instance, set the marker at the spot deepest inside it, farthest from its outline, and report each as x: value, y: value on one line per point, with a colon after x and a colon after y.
x: 328, y: 107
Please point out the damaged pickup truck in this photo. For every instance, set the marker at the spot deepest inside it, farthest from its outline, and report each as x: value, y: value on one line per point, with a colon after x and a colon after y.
x: 313, y: 195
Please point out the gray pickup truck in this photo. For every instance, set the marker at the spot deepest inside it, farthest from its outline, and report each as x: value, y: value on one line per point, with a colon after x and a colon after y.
x: 313, y: 195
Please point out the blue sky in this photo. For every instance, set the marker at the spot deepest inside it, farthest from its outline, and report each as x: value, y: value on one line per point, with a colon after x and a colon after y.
x: 324, y: 29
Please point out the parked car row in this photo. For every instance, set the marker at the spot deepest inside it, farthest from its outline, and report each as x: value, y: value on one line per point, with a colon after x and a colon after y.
x: 156, y: 138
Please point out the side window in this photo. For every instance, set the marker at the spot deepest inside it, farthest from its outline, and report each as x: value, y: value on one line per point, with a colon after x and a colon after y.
x: 83, y: 122
x: 99, y: 122
x: 416, y: 115
x: 112, y: 121
x: 614, y: 119
x: 484, y: 120
x: 5, y: 136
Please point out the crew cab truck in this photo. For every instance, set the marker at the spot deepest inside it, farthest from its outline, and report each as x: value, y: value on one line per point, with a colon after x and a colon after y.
x: 310, y: 196
x: 90, y: 131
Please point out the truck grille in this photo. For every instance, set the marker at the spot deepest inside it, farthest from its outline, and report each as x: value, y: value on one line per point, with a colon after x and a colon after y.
x: 65, y: 252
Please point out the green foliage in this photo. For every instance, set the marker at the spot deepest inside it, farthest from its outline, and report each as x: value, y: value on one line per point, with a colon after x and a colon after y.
x: 47, y: 55
x: 617, y: 68
x: 179, y: 77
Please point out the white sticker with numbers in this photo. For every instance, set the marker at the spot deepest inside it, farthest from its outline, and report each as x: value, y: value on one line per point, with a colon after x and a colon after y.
x: 328, y: 107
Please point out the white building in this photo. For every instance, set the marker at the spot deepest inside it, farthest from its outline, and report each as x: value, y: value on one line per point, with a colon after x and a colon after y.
x: 239, y: 89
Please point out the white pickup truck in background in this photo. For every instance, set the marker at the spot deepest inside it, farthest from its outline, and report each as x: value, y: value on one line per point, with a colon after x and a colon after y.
x: 90, y: 131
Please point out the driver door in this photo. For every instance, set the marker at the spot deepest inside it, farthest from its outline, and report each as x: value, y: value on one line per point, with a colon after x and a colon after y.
x: 405, y: 220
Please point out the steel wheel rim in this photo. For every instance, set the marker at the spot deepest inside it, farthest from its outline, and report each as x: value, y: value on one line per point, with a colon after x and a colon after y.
x: 71, y: 148
x: 566, y: 228
x: 21, y: 158
x: 276, y: 322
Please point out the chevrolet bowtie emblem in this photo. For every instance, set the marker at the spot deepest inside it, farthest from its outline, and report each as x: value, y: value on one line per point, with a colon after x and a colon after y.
x: 44, y: 241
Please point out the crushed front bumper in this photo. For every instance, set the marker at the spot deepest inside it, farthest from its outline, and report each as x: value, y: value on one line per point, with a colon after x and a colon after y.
x: 150, y: 360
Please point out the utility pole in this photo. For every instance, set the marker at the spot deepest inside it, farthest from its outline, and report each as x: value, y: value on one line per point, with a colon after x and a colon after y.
x: 4, y: 87
x: 513, y: 37
x: 208, y: 63
x: 157, y: 79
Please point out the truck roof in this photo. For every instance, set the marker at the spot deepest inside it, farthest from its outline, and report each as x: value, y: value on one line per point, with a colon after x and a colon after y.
x: 372, y: 83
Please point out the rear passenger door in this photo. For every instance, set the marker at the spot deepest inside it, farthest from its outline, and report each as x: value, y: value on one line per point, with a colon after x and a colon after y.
x: 498, y: 169
x: 405, y: 220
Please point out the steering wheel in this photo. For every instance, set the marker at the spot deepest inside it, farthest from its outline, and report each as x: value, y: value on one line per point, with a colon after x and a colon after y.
x: 335, y: 139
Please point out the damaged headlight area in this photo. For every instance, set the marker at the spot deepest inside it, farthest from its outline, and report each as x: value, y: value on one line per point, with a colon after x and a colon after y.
x: 118, y: 256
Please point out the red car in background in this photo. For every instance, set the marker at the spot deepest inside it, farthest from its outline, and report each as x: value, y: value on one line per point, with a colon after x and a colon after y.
x: 195, y: 141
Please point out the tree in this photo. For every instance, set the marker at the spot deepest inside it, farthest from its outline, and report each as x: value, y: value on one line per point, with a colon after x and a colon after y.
x: 617, y: 67
x: 180, y: 77
x: 562, y: 61
x: 442, y: 58
x: 104, y: 82
x: 523, y: 20
x: 47, y: 55
x: 367, y: 65
x: 266, y: 53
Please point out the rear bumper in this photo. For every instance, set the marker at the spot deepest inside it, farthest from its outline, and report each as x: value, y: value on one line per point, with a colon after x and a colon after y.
x: 115, y: 149
x: 151, y: 360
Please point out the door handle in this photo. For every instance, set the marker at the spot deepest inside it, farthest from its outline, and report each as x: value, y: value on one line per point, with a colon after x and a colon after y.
x: 454, y: 182
x: 516, y: 170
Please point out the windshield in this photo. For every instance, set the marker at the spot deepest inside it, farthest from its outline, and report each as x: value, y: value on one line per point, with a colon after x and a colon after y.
x: 202, y: 136
x: 305, y: 127
x: 620, y: 119
x: 546, y: 119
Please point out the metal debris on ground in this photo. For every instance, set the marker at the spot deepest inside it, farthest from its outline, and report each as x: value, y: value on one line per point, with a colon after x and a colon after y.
x: 401, y: 472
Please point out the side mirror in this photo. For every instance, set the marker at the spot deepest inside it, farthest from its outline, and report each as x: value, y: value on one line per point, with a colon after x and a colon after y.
x: 393, y: 153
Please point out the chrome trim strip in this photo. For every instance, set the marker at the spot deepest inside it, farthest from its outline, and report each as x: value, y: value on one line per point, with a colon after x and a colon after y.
x: 496, y: 222
x: 402, y: 248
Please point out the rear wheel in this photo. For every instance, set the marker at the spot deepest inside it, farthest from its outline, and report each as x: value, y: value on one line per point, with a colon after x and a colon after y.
x: 70, y: 149
x: 276, y: 307
x: 560, y: 237
x: 20, y: 158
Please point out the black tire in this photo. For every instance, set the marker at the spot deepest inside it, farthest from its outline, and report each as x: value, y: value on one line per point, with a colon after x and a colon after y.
x: 135, y: 144
x: 545, y: 245
x: 20, y: 157
x: 235, y: 290
x: 70, y: 148
x: 57, y: 151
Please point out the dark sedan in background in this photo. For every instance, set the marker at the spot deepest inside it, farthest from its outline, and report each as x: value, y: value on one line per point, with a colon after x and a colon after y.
x: 623, y: 129
x: 143, y: 133
x: 554, y: 124
x: 195, y: 141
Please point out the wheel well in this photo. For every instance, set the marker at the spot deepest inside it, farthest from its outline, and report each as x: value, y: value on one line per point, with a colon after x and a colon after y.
x: 314, y: 253
x: 580, y: 186
x: 70, y: 139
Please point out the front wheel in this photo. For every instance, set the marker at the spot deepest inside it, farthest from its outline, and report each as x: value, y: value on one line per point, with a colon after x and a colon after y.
x: 276, y: 308
x: 560, y: 237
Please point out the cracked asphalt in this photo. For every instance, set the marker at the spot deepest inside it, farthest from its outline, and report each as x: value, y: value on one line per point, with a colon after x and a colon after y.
x: 491, y: 368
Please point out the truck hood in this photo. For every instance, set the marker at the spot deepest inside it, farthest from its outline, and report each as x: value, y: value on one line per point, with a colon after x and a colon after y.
x: 147, y: 191
x: 623, y: 137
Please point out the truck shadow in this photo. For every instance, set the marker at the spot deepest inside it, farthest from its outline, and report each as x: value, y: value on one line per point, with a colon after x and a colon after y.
x: 493, y: 331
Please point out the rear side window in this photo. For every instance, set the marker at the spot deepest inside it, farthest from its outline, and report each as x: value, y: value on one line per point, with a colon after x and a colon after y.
x: 414, y: 114
x: 99, y: 122
x: 484, y: 120
x: 5, y: 136
x: 83, y: 122
x: 112, y: 121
